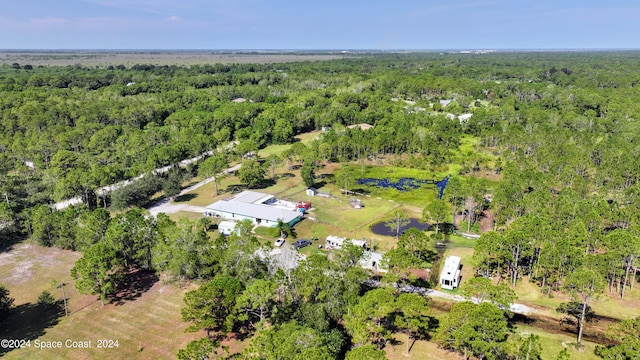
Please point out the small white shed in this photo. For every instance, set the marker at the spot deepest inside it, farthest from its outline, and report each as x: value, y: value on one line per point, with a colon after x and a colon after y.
x: 226, y: 227
x: 373, y: 261
x: 450, y: 275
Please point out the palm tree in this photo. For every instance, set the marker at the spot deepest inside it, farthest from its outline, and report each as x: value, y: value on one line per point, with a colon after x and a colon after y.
x: 285, y: 229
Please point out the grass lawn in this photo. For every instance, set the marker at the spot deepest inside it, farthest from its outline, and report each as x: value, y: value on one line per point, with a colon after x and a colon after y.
x: 529, y: 293
x: 613, y: 306
x: 394, y: 173
x: 267, y: 232
x: 457, y: 241
x: 204, y: 195
x: 288, y: 186
x: 308, y: 229
x: 474, y: 228
x: 419, y: 197
x: 147, y: 327
x: 553, y: 343
x: 273, y: 149
x: 467, y: 272
x: 305, y: 138
x: 338, y: 212
x: 28, y: 269
x: 606, y: 305
x: 185, y: 214
x: 421, y: 350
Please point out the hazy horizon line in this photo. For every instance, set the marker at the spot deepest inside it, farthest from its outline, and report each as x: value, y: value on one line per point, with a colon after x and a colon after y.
x: 341, y: 50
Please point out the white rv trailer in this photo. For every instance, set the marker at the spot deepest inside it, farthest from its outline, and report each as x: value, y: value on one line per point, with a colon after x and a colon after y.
x: 450, y: 275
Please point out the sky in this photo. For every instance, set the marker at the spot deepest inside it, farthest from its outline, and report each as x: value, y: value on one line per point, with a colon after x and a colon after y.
x: 326, y: 24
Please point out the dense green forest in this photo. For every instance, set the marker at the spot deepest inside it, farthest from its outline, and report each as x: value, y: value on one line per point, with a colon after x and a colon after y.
x: 560, y: 138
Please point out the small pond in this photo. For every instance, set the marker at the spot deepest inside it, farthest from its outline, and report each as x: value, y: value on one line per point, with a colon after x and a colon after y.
x: 405, y: 184
x: 382, y: 229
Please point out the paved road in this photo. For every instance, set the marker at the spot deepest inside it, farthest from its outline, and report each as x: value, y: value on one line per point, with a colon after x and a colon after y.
x: 167, y: 207
x: 515, y: 308
x: 106, y: 189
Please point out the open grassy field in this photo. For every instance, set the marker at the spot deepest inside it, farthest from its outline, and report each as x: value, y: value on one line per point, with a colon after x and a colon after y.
x: 185, y: 215
x: 146, y: 322
x: 457, y: 241
x: 395, y: 172
x: 338, y: 212
x: 180, y: 58
x: 204, y: 195
x: 419, y: 197
x: 421, y: 350
x: 279, y: 148
x: 551, y: 339
x: 612, y: 306
x: 608, y: 305
x: 553, y: 343
x: 27, y: 270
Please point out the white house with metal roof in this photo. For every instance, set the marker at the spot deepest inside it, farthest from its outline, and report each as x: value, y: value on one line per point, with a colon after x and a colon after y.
x: 262, y: 209
x: 450, y: 275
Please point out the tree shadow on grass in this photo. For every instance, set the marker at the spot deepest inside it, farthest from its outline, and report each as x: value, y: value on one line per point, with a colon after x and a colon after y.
x: 8, y: 239
x: 327, y: 177
x: 29, y: 322
x: 521, y: 319
x: 184, y: 198
x: 286, y: 175
x: 235, y: 188
x: 266, y: 183
x: 319, y: 184
x: 361, y: 191
x: 134, y: 285
x: 447, y: 228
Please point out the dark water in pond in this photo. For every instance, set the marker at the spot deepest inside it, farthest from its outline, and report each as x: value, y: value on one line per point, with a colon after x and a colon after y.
x: 382, y: 229
x: 405, y: 184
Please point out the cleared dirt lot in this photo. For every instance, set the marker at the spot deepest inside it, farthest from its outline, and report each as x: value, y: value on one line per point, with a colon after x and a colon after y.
x: 144, y: 317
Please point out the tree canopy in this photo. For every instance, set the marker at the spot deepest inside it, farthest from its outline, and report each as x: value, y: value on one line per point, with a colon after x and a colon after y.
x: 545, y: 155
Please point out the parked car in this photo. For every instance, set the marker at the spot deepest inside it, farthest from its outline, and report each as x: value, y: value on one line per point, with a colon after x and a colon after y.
x: 279, y: 242
x: 300, y: 243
